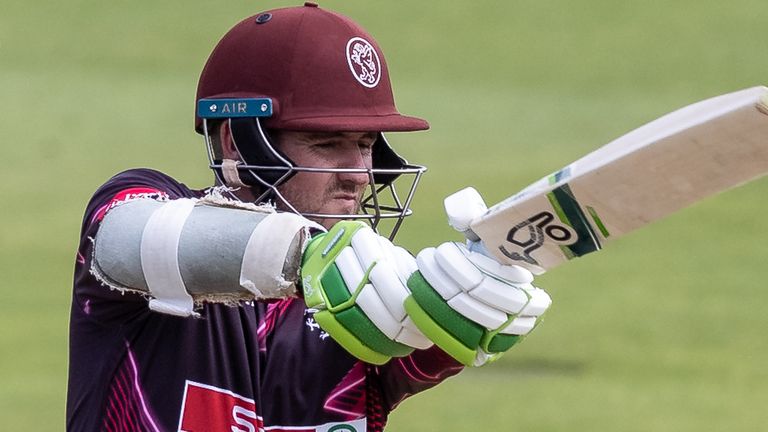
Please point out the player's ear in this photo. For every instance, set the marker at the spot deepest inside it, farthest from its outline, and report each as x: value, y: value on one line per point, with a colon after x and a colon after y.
x: 228, y: 149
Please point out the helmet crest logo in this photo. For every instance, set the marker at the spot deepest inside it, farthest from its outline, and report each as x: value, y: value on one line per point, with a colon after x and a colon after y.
x: 363, y: 62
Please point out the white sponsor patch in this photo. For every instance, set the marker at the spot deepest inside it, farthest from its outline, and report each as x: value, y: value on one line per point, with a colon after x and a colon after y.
x: 358, y: 425
x: 364, y: 62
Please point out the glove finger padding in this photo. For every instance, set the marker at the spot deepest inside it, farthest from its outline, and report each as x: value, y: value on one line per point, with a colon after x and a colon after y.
x: 351, y: 277
x: 470, y: 305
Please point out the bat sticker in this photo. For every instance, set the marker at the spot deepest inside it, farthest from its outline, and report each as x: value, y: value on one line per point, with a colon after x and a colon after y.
x: 574, y: 236
x: 530, y: 234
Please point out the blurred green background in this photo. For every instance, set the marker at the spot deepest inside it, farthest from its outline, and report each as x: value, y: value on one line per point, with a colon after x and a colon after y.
x: 664, y: 331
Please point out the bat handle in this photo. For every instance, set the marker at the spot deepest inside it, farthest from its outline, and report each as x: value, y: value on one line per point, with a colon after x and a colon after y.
x: 479, y: 247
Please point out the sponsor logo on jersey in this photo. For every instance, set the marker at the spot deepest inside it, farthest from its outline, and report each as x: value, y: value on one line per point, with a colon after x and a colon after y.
x: 130, y: 194
x: 363, y: 62
x: 209, y: 408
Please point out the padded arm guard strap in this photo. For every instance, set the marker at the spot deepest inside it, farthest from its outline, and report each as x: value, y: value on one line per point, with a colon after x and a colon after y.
x: 187, y: 250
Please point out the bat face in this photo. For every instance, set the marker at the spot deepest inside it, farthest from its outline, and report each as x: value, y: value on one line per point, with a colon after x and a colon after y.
x: 660, y: 168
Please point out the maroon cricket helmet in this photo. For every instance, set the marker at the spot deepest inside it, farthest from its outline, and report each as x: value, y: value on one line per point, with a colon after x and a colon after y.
x: 322, y: 71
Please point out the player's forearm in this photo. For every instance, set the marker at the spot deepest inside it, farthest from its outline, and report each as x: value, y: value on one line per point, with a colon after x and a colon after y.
x: 187, y: 250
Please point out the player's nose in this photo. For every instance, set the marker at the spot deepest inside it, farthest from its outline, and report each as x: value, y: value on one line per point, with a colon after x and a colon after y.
x: 360, y: 161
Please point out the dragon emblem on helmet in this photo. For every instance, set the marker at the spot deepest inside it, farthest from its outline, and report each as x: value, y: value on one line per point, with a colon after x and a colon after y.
x: 363, y: 62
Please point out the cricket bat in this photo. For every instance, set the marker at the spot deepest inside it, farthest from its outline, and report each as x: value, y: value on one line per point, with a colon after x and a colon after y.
x: 662, y: 167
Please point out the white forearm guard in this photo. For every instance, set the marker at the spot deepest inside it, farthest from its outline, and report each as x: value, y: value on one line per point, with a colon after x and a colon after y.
x: 188, y: 250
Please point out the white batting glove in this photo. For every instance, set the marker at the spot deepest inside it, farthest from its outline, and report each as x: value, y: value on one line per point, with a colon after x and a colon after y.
x: 469, y: 304
x: 357, y: 281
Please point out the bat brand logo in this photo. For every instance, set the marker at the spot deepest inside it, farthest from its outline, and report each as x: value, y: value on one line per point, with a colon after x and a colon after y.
x: 530, y: 234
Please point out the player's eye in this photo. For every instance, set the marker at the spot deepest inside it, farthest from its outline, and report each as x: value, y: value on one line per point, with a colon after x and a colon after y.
x: 366, y: 146
x: 324, y: 145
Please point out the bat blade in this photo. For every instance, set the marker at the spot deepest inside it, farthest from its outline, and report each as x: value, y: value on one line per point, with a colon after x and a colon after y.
x: 651, y: 172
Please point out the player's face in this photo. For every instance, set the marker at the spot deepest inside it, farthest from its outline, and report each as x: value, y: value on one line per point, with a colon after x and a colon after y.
x: 330, y: 193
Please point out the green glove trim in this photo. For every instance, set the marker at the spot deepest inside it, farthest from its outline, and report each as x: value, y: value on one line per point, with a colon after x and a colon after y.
x: 358, y: 324
x: 347, y: 340
x: 335, y: 289
x: 330, y: 245
x: 452, y: 332
x: 437, y: 334
x: 325, y: 290
x: 469, y: 333
x: 496, y: 342
x: 502, y: 342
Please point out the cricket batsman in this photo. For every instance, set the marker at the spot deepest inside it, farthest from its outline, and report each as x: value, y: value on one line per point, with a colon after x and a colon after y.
x: 270, y: 301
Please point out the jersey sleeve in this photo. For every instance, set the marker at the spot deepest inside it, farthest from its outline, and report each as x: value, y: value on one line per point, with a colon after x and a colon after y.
x: 95, y: 300
x: 403, y: 377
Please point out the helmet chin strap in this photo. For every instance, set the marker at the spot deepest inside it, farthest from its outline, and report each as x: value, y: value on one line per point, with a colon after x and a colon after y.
x: 231, y: 174
x: 264, y: 193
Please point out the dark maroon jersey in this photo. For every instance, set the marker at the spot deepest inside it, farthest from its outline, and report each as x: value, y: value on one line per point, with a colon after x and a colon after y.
x: 257, y: 365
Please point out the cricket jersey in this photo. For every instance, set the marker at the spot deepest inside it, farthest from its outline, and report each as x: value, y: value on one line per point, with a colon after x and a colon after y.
x: 248, y: 367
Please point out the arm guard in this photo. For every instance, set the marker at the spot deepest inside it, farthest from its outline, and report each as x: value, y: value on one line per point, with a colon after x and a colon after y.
x: 187, y: 250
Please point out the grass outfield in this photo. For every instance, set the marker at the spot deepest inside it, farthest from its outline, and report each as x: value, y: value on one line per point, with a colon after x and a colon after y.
x: 664, y: 331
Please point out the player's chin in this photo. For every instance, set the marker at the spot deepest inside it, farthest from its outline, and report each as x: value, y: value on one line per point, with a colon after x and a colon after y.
x: 342, y: 206
x: 338, y: 207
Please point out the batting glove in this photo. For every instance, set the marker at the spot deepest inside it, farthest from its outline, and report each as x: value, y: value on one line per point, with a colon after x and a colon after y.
x: 357, y: 281
x: 471, y: 306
